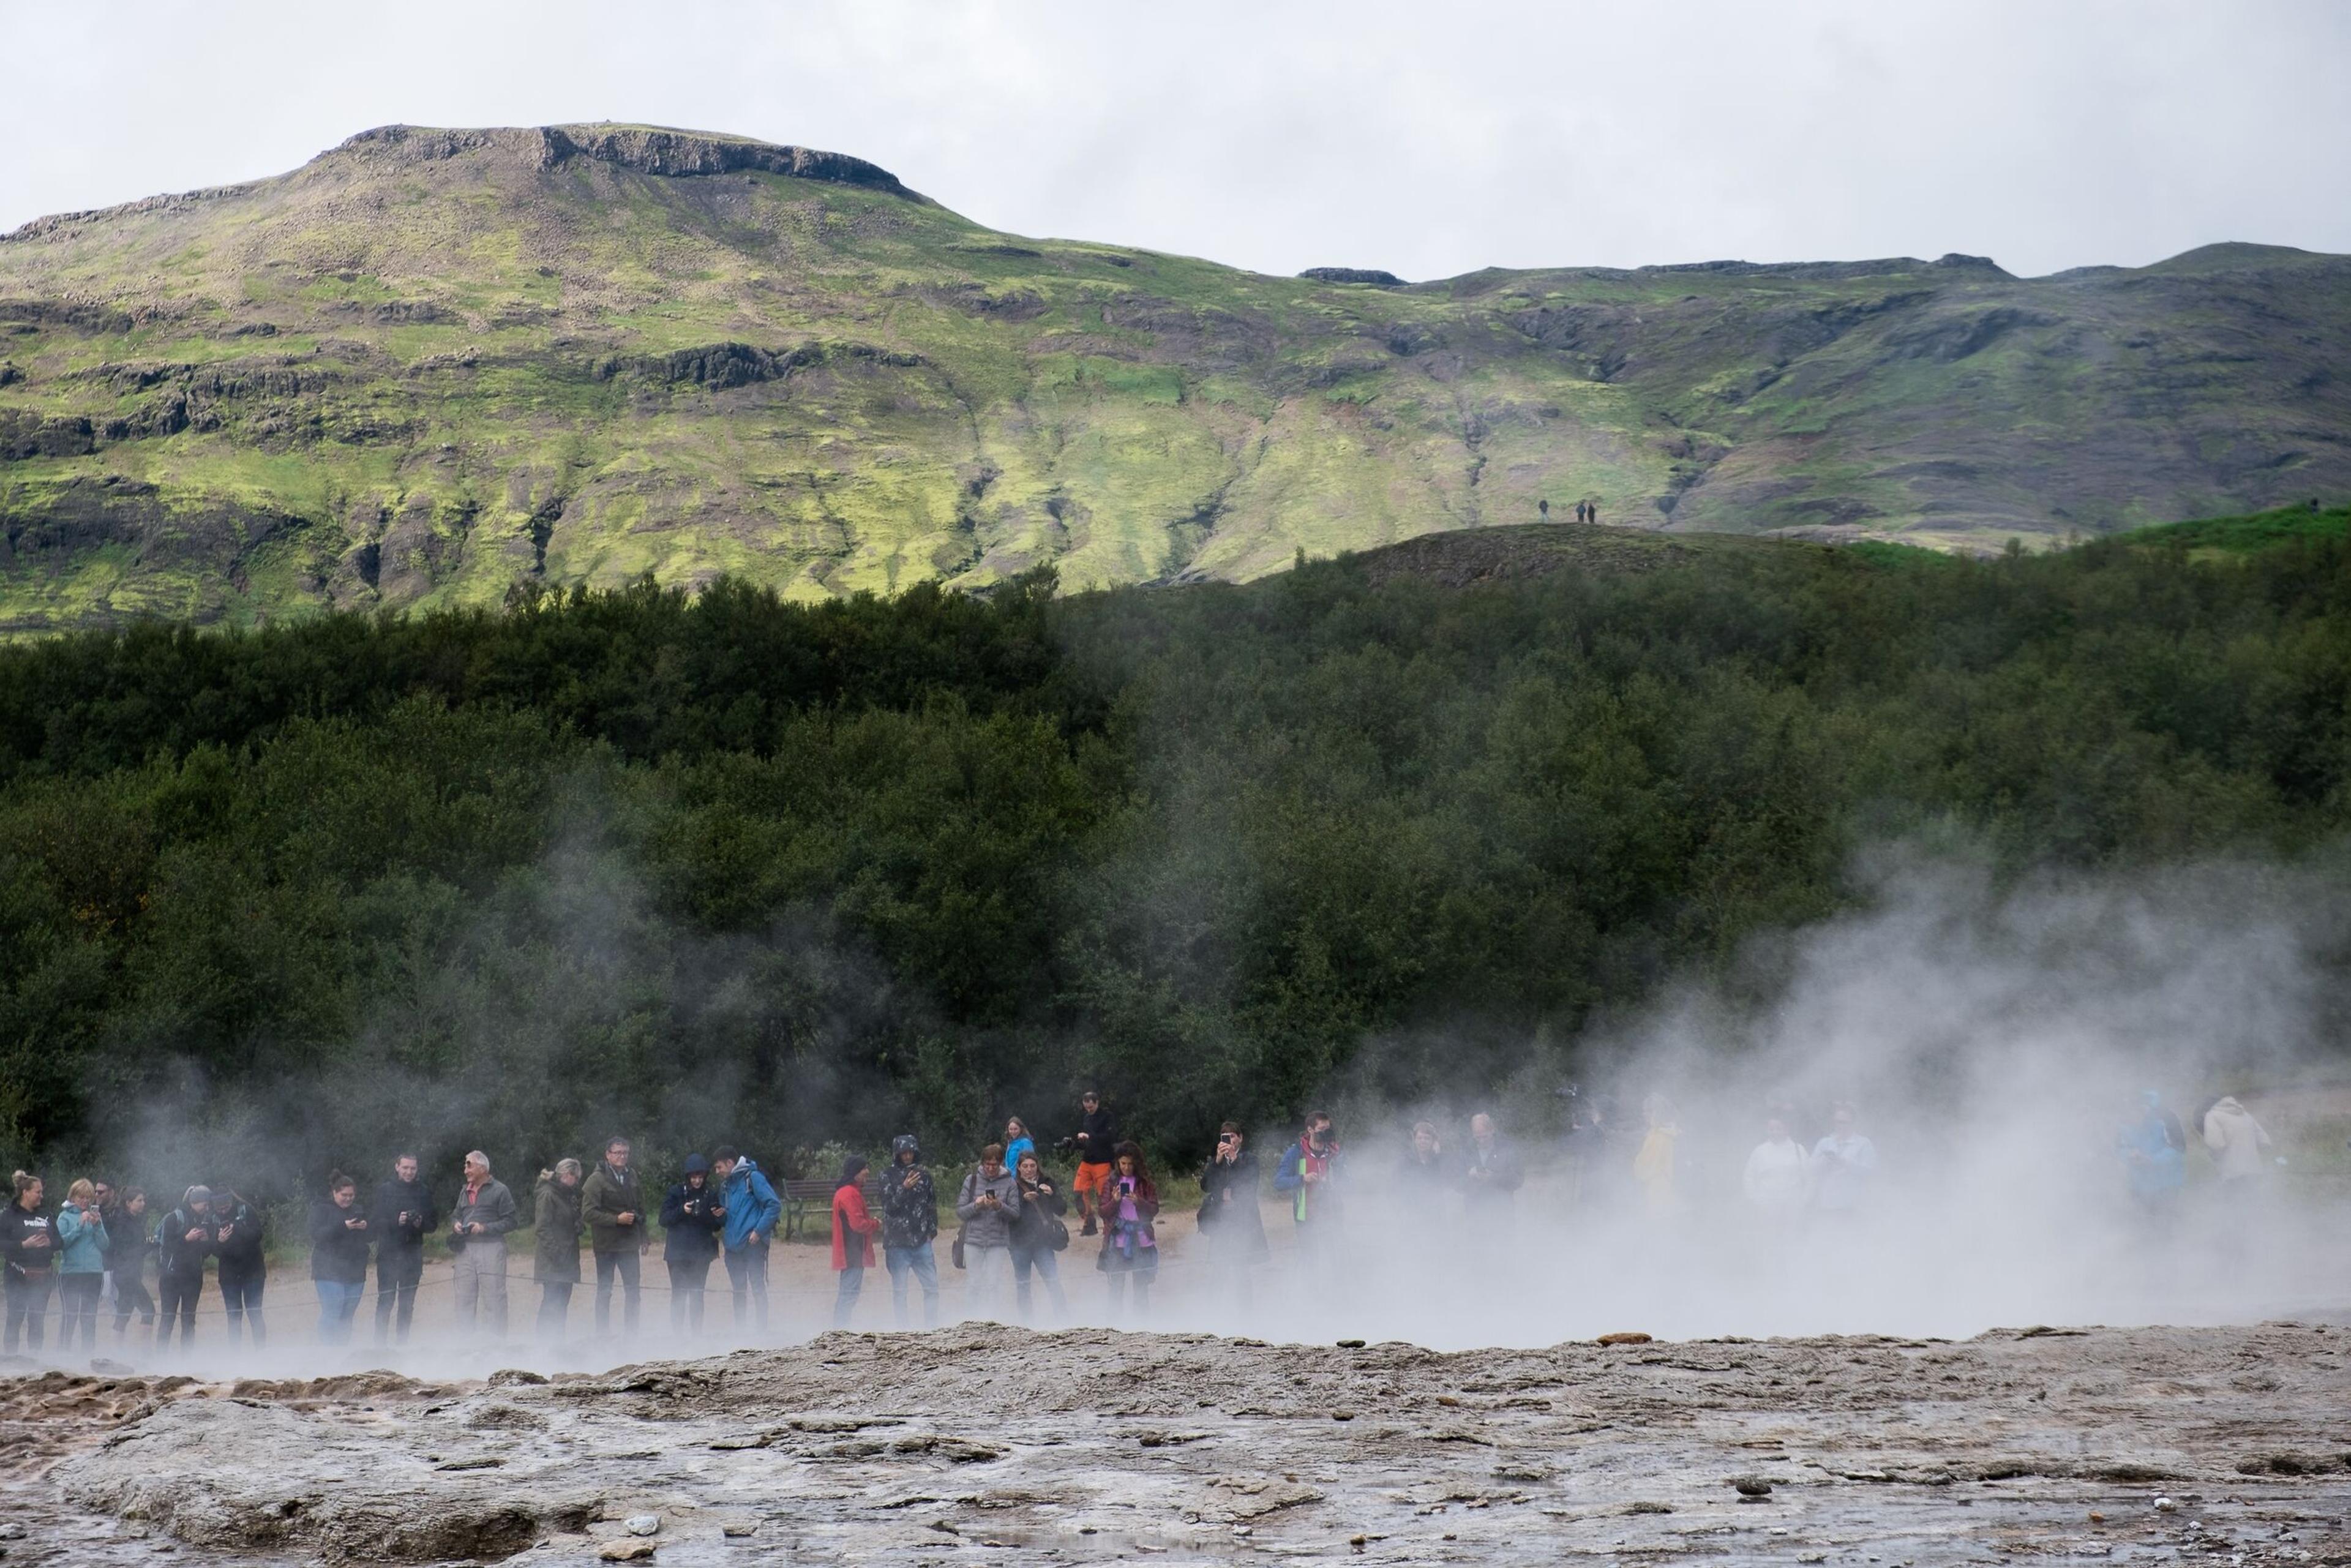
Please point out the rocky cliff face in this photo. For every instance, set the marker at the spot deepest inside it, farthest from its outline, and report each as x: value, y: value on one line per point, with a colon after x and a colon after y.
x: 431, y: 364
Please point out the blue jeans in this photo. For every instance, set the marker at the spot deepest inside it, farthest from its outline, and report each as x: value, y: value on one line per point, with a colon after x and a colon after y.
x: 924, y: 1266
x: 337, y: 1302
x: 853, y: 1282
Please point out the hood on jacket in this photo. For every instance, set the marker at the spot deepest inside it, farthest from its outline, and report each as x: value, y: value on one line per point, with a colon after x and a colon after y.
x: 195, y: 1195
x: 851, y: 1169
x: 2227, y: 1105
x: 696, y: 1165
x: 905, y: 1143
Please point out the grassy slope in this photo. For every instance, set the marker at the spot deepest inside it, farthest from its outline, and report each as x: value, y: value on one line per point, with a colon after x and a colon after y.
x: 405, y: 377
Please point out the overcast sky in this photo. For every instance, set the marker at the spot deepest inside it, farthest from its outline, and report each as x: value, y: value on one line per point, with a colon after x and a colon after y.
x: 1429, y: 138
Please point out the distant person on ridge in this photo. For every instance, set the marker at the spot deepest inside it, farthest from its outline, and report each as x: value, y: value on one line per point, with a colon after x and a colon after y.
x: 1844, y: 1165
x: 399, y: 1219
x: 1776, y: 1180
x: 1228, y: 1210
x: 910, y: 1218
x: 691, y: 1217
x: 28, y: 1244
x: 131, y: 1241
x: 614, y: 1207
x: 1492, y: 1175
x: 478, y: 1223
x: 988, y: 1205
x: 338, y: 1258
x: 752, y: 1209
x: 1095, y: 1146
x: 852, y: 1238
x: 1310, y: 1174
x: 1129, y: 1244
x: 2238, y: 1146
x: 81, y: 1264
x: 555, y: 1244
x: 1544, y: 506
x: 184, y: 1239
x: 1038, y: 1235
x: 238, y: 1233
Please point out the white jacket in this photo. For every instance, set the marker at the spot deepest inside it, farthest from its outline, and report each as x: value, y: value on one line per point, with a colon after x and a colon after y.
x: 2235, y: 1139
x: 1777, y: 1177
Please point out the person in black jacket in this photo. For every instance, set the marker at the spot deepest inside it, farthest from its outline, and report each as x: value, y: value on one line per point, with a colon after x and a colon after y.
x: 691, y: 1217
x: 338, y: 1258
x: 28, y: 1246
x: 1096, y: 1145
x: 184, y: 1239
x: 399, y: 1220
x: 237, y: 1229
x: 129, y: 1242
x: 1037, y: 1234
x: 1228, y: 1210
x: 910, y: 1218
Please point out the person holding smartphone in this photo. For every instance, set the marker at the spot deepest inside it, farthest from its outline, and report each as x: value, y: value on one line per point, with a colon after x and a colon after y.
x: 398, y: 1222
x: 988, y: 1205
x: 28, y: 1243
x: 1129, y: 1244
x: 1228, y: 1210
x: 910, y: 1220
x: 338, y: 1257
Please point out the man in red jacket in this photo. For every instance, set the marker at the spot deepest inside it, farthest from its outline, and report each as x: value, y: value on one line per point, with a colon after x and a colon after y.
x: 852, y: 1238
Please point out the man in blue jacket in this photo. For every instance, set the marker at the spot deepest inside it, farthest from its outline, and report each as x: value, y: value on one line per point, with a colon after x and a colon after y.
x: 752, y: 1209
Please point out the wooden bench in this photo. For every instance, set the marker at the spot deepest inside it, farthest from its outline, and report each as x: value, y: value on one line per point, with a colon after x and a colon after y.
x: 804, y: 1200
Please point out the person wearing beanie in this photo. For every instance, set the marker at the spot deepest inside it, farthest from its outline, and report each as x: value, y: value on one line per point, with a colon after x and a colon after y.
x: 691, y: 1217
x: 853, y: 1236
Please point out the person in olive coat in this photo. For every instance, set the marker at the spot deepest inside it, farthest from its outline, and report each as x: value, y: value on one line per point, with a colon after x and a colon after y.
x: 556, y: 1229
x: 691, y: 1217
x: 615, y: 1206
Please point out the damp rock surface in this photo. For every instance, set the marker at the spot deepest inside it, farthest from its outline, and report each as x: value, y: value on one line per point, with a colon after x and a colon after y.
x: 1089, y: 1446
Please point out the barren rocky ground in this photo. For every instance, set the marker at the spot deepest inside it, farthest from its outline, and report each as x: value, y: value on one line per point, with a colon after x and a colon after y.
x: 1092, y: 1445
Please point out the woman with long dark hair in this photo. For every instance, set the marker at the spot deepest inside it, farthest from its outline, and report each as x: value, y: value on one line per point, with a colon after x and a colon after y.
x: 1037, y: 1234
x: 1130, y: 1249
x: 339, y: 1259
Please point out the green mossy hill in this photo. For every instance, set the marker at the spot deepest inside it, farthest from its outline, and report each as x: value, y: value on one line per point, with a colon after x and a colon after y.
x: 728, y: 866
x: 431, y: 365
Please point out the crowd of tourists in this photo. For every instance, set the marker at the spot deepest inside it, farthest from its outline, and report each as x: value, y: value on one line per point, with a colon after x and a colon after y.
x: 1015, y: 1218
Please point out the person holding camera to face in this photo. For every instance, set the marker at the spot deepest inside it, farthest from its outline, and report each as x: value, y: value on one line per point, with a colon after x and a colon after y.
x: 691, y: 1217
x: 910, y: 1220
x: 1228, y: 1210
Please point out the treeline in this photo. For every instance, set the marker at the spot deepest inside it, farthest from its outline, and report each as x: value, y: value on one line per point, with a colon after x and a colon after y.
x: 722, y: 867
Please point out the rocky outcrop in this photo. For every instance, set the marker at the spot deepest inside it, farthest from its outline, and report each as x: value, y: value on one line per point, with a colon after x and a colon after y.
x: 1370, y: 275
x: 646, y: 149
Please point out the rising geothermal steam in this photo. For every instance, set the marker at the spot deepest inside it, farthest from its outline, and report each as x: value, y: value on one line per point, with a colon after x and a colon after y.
x: 1994, y: 1040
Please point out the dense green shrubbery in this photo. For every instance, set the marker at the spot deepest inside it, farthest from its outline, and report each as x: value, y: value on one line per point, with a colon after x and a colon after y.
x: 728, y: 867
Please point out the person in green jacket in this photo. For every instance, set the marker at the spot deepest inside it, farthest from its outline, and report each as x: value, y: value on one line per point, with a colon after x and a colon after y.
x: 557, y: 1232
x: 614, y: 1207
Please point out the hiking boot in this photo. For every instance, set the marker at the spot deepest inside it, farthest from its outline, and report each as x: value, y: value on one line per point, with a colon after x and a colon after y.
x: 1089, y: 1230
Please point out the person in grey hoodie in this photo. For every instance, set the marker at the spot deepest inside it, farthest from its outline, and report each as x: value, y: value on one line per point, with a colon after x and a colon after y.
x: 988, y: 1205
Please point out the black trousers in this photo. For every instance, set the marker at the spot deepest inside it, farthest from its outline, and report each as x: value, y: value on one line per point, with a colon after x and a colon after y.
x: 397, y: 1268
x: 178, y: 1294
